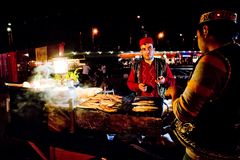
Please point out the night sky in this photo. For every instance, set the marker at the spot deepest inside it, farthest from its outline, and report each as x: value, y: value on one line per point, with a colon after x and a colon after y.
x: 45, y: 23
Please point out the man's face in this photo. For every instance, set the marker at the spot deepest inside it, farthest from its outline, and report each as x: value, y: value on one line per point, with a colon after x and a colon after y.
x: 147, y: 51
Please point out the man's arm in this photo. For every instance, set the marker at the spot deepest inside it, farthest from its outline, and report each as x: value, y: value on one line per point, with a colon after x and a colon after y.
x: 132, y: 85
x: 207, y: 80
x: 169, y: 79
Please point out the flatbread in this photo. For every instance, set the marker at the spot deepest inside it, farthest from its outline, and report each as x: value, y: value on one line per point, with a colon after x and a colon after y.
x: 144, y: 109
x: 143, y: 103
x: 103, y: 102
x: 107, y: 108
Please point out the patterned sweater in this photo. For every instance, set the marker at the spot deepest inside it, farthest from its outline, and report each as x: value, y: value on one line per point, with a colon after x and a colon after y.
x: 209, y: 102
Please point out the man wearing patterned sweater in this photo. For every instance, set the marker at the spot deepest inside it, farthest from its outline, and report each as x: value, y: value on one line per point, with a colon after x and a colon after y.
x: 207, y: 116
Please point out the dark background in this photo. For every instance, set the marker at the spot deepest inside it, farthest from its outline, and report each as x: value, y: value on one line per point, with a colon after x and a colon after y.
x: 39, y: 23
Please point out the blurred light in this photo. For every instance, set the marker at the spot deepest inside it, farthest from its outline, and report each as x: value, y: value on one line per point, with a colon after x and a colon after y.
x: 60, y: 65
x: 160, y: 35
x: 74, y: 53
x: 9, y: 29
x: 94, y: 31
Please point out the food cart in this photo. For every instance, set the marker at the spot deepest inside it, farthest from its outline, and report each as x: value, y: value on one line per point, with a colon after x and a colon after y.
x: 104, y: 121
x: 51, y: 113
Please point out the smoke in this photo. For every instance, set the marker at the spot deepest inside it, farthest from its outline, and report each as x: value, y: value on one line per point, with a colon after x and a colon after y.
x: 29, y: 103
x: 43, y: 71
x: 53, y: 90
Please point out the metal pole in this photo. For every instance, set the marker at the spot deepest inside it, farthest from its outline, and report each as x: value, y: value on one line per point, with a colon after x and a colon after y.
x: 93, y: 41
x: 93, y: 45
x: 80, y: 41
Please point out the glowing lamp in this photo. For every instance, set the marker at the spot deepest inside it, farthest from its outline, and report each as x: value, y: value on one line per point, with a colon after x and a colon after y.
x: 60, y: 65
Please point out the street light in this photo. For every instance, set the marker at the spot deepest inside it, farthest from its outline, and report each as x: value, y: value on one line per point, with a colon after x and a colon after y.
x: 141, y: 25
x: 159, y: 37
x: 94, y: 32
x: 10, y: 37
x: 181, y: 40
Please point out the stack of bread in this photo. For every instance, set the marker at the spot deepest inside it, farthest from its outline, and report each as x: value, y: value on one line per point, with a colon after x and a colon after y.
x: 104, y: 102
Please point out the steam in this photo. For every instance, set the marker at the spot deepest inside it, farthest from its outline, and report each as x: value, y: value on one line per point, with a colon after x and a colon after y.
x: 53, y: 90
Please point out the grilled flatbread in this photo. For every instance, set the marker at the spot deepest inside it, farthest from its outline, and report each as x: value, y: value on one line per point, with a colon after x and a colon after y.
x: 144, y: 103
x: 108, y: 103
x: 104, y: 102
x: 144, y: 109
x: 107, y: 108
x: 112, y: 97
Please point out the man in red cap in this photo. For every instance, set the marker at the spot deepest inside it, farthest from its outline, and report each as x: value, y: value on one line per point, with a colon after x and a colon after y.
x: 150, y: 76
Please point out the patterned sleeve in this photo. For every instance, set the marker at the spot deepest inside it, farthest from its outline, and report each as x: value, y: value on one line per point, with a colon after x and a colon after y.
x: 207, y: 80
x: 170, y: 80
x: 132, y: 85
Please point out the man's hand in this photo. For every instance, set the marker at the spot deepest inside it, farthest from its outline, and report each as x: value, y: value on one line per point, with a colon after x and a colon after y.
x: 160, y: 80
x: 174, y: 91
x: 142, y: 87
x: 171, y: 92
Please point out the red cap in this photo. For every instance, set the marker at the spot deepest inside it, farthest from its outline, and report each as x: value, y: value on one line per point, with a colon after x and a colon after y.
x: 145, y: 40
